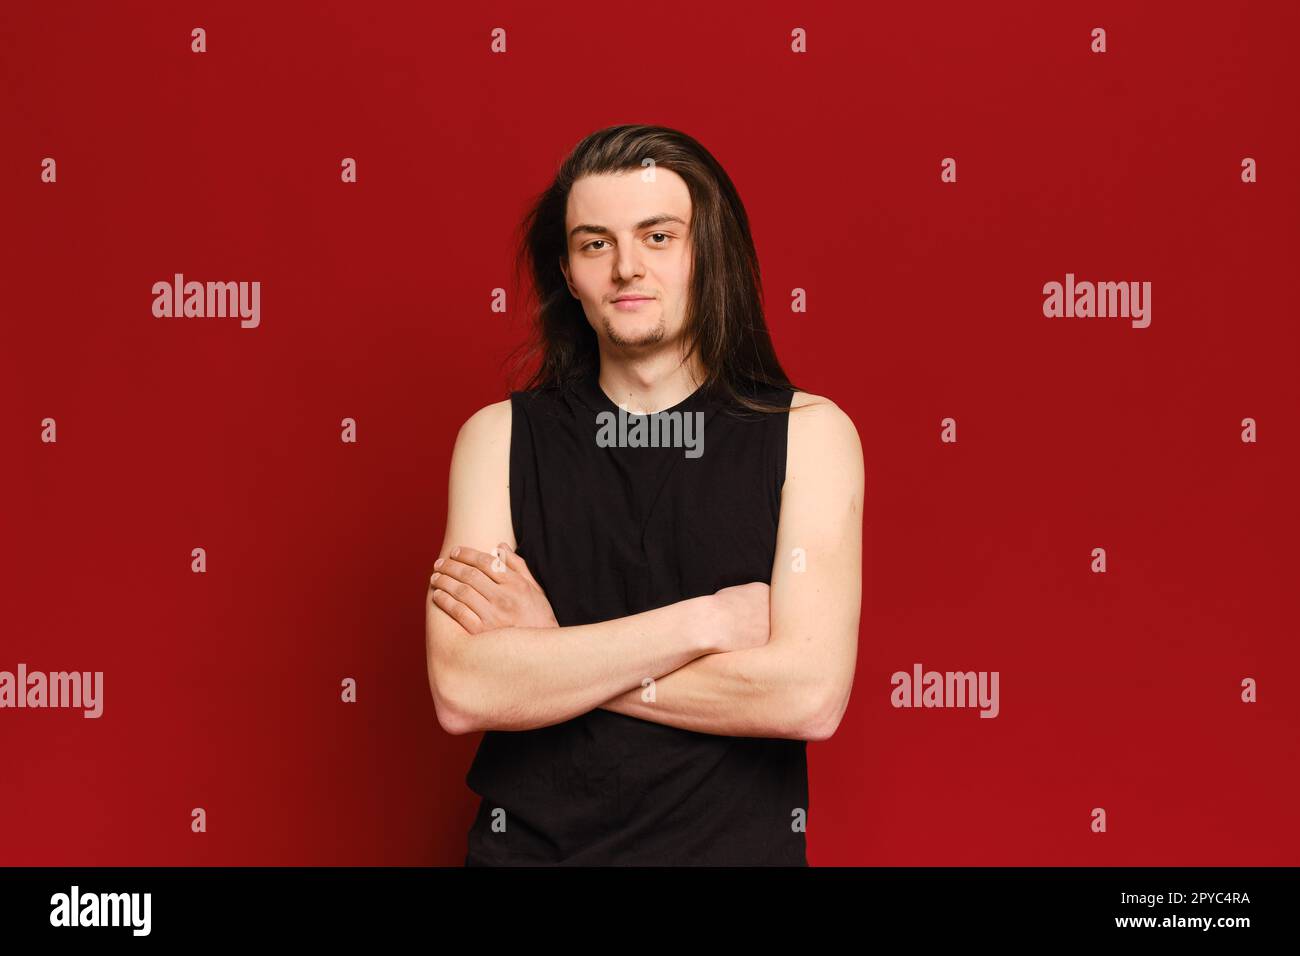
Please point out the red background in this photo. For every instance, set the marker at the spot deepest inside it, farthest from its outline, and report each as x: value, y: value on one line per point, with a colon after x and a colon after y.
x: 221, y: 690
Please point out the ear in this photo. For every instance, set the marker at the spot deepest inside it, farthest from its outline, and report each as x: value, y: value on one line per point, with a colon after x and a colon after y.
x: 564, y: 267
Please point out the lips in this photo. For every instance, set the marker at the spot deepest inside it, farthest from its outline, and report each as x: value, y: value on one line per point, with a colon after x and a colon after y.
x: 633, y: 298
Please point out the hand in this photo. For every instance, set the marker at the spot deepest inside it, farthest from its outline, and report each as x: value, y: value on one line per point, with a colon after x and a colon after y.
x: 483, y: 591
x: 745, y: 615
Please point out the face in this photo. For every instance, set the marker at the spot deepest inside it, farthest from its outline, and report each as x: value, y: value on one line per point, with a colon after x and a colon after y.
x: 627, y: 237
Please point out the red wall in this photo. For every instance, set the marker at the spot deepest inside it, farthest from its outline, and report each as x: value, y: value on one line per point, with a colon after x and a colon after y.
x: 1119, y: 690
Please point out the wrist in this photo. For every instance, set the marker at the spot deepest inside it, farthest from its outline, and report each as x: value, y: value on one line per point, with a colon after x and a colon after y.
x: 707, y: 623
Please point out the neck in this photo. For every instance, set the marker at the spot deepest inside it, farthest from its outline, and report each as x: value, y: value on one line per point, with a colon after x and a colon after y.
x: 650, y: 384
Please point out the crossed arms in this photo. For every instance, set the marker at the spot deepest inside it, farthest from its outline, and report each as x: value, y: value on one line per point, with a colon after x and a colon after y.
x: 749, y: 661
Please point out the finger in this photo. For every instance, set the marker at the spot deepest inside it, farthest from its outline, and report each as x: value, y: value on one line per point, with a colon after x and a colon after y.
x: 468, y: 574
x: 514, y: 562
x: 449, y: 578
x: 484, y: 561
x: 457, y: 611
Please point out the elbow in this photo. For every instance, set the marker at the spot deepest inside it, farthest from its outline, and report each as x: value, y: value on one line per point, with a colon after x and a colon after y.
x: 451, y: 697
x: 823, y: 712
x: 812, y: 704
x: 454, y: 716
x: 453, y: 720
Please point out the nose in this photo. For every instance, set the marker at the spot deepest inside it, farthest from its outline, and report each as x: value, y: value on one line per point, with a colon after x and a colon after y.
x: 628, y: 264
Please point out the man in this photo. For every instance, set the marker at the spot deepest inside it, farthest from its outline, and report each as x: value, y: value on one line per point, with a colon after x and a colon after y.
x: 647, y: 637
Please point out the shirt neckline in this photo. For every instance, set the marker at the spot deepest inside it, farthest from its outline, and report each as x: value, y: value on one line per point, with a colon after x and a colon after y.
x: 589, y: 388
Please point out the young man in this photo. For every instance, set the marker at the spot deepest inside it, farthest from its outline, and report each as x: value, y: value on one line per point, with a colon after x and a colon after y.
x: 648, y: 633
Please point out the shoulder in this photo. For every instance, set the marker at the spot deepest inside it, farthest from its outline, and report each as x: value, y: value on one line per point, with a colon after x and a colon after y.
x: 821, y: 416
x: 485, y: 435
x: 821, y: 436
x: 487, y: 422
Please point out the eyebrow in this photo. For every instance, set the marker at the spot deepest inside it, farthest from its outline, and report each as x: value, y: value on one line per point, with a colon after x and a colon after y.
x: 643, y: 224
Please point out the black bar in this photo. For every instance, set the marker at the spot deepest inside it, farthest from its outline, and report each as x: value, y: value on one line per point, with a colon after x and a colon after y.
x: 239, y: 905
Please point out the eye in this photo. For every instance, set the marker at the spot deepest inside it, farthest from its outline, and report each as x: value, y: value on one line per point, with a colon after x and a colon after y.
x: 592, y: 243
x: 665, y: 235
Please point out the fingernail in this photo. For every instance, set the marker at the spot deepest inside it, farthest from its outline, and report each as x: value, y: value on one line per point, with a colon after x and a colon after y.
x: 438, y: 563
x: 434, y: 578
x: 455, y: 551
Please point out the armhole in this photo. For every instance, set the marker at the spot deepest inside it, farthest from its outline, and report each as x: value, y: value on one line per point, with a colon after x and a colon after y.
x: 515, y: 471
x: 782, y: 449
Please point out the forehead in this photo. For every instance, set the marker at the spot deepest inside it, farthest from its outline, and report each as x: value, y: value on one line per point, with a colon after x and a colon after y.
x: 620, y: 200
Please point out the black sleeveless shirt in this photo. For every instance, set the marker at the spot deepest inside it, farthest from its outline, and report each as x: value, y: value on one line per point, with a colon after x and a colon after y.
x: 613, y: 531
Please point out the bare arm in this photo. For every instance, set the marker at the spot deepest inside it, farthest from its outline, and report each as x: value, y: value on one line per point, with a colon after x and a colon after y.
x: 797, y: 684
x: 517, y: 678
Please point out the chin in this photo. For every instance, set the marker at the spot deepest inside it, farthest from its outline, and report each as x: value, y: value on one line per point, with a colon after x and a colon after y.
x: 621, y: 331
